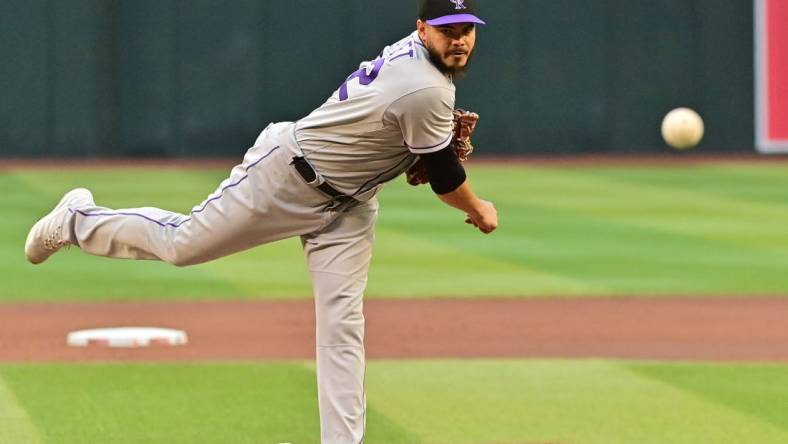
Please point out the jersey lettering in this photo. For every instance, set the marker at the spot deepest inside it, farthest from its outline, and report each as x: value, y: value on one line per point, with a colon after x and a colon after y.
x: 363, y: 78
x: 402, y: 52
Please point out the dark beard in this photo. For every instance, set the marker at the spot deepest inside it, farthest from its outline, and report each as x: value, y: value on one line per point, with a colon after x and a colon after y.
x: 457, y: 72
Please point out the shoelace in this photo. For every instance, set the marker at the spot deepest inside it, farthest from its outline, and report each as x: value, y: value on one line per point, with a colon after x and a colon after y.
x: 54, y: 241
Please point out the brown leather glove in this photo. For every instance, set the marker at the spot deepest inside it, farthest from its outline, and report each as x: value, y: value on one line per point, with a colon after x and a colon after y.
x: 464, y: 124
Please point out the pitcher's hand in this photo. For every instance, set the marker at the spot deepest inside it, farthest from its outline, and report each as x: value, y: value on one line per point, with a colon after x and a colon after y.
x: 485, y: 217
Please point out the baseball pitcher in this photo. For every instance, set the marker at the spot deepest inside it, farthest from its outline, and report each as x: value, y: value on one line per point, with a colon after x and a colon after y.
x: 317, y: 179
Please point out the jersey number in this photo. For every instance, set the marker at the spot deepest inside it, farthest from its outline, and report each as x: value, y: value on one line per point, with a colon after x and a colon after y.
x: 363, y: 78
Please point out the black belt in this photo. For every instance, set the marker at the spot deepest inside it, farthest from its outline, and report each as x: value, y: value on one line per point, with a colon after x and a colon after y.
x: 310, y: 176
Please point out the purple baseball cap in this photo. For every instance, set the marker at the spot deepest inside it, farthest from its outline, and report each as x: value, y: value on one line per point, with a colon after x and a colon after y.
x: 448, y: 12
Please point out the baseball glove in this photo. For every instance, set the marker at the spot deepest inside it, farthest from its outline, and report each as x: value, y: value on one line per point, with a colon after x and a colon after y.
x: 464, y: 124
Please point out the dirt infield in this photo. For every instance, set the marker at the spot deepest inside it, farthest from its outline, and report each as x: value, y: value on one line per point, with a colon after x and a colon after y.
x: 728, y: 329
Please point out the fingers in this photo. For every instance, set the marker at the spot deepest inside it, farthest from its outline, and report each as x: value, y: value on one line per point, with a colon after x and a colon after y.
x: 486, y: 229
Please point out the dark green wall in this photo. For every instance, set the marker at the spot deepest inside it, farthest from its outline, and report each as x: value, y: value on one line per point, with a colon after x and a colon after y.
x: 202, y: 78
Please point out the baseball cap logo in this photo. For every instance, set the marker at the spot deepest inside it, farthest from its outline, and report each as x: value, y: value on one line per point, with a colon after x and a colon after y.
x: 442, y: 12
x: 459, y: 4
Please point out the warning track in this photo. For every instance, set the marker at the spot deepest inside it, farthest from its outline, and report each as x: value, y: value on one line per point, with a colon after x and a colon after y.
x: 666, y: 159
x: 711, y: 329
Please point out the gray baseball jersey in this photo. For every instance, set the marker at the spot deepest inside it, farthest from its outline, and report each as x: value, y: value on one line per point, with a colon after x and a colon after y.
x: 374, y: 124
x: 368, y: 131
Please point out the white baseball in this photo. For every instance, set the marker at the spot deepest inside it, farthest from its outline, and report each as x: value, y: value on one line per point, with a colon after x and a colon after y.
x: 682, y: 128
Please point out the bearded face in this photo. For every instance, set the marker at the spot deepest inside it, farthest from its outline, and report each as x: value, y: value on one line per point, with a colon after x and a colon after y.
x: 450, y: 46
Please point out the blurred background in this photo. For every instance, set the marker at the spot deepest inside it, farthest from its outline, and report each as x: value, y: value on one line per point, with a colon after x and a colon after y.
x: 95, y: 78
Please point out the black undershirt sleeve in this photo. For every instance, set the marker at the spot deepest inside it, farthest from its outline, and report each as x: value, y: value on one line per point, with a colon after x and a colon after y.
x: 444, y: 169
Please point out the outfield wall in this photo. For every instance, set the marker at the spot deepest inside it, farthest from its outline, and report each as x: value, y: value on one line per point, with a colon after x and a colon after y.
x: 201, y: 78
x: 771, y: 72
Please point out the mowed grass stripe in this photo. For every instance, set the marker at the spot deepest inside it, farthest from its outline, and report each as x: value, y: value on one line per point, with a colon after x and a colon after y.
x: 564, y: 232
x: 580, y: 227
x: 590, y: 402
x: 451, y: 270
x: 179, y: 403
x: 188, y: 403
x: 761, y: 183
x: 15, y: 424
x: 763, y: 395
x: 690, y: 213
x: 640, y: 226
x: 173, y: 189
x: 276, y: 270
x: 436, y: 402
x: 751, y: 246
x: 691, y: 210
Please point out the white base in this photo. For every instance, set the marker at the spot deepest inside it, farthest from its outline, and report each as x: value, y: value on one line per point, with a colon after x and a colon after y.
x: 126, y: 337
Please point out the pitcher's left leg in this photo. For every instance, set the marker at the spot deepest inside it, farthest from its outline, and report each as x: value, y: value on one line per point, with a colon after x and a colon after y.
x: 338, y: 258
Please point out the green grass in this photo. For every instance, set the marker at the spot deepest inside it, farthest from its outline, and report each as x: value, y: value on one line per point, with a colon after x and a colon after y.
x: 430, y: 402
x: 580, y: 231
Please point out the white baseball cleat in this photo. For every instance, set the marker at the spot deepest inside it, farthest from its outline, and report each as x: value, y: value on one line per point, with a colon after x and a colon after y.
x: 53, y: 231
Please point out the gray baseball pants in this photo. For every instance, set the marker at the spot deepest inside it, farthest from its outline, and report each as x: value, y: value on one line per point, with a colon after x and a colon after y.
x: 262, y: 201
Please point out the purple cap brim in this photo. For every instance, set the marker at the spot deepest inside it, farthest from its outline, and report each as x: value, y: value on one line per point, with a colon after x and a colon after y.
x: 455, y: 18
